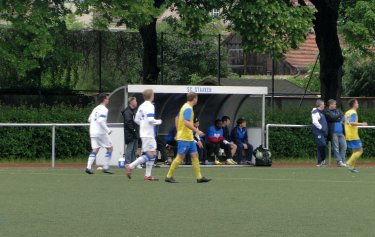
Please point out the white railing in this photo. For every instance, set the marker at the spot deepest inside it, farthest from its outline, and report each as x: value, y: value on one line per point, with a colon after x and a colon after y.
x: 268, y: 126
x: 53, y: 126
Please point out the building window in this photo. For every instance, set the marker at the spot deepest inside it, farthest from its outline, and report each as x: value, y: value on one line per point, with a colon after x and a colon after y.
x: 215, y: 13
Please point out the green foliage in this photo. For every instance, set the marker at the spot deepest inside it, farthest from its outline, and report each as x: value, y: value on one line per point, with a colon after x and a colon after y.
x: 131, y: 13
x: 359, y: 76
x: 302, y: 81
x: 358, y: 24
x: 35, y: 142
x: 186, y: 58
x: 269, y: 26
x: 35, y: 28
x: 72, y: 23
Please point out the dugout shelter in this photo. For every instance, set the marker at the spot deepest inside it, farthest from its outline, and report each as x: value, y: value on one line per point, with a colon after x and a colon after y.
x: 213, y: 102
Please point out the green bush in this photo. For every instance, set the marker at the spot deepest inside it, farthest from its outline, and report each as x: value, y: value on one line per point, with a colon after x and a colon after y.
x: 73, y: 142
x: 35, y: 142
x: 298, y: 142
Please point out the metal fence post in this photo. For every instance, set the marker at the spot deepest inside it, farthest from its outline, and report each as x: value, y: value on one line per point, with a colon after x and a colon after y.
x: 53, y: 145
x: 162, y: 57
x: 218, y: 59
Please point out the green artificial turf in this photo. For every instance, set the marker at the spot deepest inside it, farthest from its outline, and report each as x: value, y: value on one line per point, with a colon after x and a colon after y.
x: 286, y: 202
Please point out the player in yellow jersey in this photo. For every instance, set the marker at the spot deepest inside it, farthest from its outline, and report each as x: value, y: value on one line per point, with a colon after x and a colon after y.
x: 351, y: 134
x: 185, y: 140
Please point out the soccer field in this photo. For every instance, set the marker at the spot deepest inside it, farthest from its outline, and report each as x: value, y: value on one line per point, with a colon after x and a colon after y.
x: 296, y: 201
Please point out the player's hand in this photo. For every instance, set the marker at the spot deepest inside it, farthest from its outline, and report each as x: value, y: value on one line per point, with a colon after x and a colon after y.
x: 245, y: 146
x: 110, y: 131
x: 200, y: 145
x: 364, y: 124
x: 200, y: 133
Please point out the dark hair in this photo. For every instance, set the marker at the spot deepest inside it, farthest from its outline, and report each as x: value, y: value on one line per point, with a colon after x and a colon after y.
x: 240, y: 120
x: 217, y: 121
x: 196, y: 119
x: 102, y: 97
x: 225, y: 118
x: 352, y: 102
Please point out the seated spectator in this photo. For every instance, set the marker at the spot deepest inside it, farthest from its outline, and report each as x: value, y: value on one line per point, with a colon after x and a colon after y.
x: 227, y: 138
x: 239, y: 136
x: 201, y: 144
x: 171, y: 142
x: 215, y: 140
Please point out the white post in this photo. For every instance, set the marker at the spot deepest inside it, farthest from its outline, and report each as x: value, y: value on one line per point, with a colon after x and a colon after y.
x: 267, y: 136
x: 53, y: 145
x: 263, y: 118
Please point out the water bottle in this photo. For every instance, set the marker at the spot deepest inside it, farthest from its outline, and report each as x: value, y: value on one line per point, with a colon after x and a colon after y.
x: 121, y: 162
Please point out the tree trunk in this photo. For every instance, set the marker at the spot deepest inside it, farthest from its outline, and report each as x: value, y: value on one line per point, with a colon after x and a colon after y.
x: 331, y: 59
x: 150, y: 50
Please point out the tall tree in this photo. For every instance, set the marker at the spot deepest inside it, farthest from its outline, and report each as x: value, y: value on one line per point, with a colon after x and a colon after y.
x: 34, y: 28
x: 331, y: 59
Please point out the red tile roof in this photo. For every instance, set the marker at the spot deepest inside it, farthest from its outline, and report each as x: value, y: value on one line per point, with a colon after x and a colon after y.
x: 306, y: 54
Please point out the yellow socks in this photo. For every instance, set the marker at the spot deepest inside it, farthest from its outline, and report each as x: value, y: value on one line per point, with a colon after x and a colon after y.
x: 174, y: 166
x: 353, y: 159
x: 196, y: 167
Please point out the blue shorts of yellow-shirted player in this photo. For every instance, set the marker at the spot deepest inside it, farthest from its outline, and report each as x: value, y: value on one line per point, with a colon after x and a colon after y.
x: 186, y: 147
x: 354, y: 144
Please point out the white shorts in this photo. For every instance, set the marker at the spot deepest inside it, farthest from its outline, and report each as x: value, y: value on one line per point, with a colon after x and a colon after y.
x: 148, y: 144
x: 103, y: 141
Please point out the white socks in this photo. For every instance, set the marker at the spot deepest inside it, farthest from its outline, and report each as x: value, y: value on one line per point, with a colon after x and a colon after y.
x: 138, y: 161
x: 107, y: 159
x: 91, y: 160
x: 149, y: 165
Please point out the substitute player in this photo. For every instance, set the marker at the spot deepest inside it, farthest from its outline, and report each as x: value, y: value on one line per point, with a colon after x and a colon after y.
x: 145, y: 118
x: 99, y: 134
x: 351, y: 134
x: 185, y: 140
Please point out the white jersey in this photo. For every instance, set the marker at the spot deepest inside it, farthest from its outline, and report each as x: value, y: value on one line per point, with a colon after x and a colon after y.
x: 98, y: 121
x: 145, y: 118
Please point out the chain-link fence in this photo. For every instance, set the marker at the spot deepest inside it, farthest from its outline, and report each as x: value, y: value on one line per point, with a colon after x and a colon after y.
x: 105, y: 60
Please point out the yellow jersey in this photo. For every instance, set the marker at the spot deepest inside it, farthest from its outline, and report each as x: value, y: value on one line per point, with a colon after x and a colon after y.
x: 184, y: 133
x: 351, y: 132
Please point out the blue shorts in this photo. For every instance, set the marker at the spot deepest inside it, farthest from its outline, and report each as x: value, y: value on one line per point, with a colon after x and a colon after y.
x: 186, y: 147
x: 355, y: 144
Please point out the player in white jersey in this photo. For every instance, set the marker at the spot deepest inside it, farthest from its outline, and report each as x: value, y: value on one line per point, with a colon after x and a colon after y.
x: 145, y: 117
x: 99, y: 134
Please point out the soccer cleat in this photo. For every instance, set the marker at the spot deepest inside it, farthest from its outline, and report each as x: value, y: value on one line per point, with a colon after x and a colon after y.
x: 128, y: 171
x: 170, y: 180
x: 108, y: 171
x: 353, y: 170
x: 322, y: 164
x: 342, y: 164
x: 230, y: 162
x: 203, y: 180
x: 217, y: 162
x: 150, y: 178
x: 248, y: 162
x: 89, y: 171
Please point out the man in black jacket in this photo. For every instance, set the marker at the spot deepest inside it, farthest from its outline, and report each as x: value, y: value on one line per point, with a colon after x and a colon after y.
x: 131, y: 130
x: 335, y: 119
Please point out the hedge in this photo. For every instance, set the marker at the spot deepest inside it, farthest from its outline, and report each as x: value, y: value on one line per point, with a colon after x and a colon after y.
x: 35, y: 143
x: 297, y: 142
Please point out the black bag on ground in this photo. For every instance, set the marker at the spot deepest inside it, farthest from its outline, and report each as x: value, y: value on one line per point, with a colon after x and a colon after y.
x: 262, y: 156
